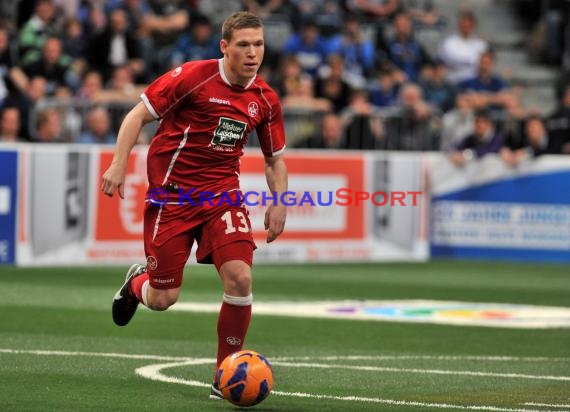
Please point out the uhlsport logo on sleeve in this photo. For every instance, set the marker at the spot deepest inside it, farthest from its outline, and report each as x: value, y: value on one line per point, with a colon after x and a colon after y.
x: 228, y: 132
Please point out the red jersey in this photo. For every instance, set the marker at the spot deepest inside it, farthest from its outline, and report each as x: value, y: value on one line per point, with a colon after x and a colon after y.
x: 204, y: 125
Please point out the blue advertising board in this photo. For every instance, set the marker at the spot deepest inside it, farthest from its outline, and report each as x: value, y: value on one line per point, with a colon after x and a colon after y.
x: 521, y: 214
x: 8, y: 195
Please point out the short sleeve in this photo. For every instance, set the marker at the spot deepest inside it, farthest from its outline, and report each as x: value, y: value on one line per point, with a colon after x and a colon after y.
x: 271, y: 132
x: 169, y: 89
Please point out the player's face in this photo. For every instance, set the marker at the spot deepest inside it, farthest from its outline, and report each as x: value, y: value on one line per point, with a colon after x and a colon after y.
x: 243, y: 54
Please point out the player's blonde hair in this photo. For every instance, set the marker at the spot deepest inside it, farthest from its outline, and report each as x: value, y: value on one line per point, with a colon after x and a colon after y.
x: 240, y: 20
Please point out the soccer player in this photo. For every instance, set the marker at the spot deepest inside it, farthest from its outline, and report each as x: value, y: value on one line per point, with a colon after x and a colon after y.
x: 206, y: 111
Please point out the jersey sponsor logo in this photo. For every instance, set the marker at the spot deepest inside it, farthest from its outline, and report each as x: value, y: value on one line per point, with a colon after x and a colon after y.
x: 252, y: 109
x: 232, y: 340
x: 151, y: 262
x: 228, y: 132
x: 219, y: 101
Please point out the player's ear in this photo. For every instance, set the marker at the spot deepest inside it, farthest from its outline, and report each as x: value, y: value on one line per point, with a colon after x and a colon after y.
x: 223, y: 46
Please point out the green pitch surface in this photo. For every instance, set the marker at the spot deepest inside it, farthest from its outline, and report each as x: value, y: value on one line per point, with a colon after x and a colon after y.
x: 59, y: 350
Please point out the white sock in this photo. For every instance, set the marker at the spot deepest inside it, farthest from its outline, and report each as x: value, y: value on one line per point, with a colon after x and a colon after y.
x: 238, y: 300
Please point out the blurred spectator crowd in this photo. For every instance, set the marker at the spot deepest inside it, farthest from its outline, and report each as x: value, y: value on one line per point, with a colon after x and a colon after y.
x: 351, y: 74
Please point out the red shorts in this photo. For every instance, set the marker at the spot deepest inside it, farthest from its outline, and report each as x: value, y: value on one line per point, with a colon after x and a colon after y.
x: 222, y: 232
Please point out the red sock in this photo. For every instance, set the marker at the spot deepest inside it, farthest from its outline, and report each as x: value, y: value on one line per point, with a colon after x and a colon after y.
x: 233, y: 322
x: 137, y: 286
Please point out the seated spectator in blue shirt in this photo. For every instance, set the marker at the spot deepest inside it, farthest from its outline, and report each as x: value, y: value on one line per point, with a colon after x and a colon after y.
x: 488, y: 90
x: 308, y: 46
x: 484, y: 140
x: 199, y: 44
x: 358, y: 52
x: 486, y: 80
x: 74, y: 40
x: 384, y: 92
x: 437, y: 90
x: 404, y: 50
x: 98, y: 128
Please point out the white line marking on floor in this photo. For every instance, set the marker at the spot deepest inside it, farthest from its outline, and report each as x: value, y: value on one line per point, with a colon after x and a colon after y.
x: 291, y: 358
x: 153, y: 372
x: 422, y: 371
x: 282, y: 362
x: 548, y: 405
x: 427, y: 357
x: 95, y: 354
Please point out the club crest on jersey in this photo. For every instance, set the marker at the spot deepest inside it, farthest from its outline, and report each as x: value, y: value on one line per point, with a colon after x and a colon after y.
x: 176, y: 71
x: 228, y: 132
x: 152, y: 263
x: 252, y: 109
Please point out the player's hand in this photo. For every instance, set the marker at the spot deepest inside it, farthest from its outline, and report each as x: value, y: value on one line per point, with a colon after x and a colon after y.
x: 275, y: 221
x: 113, y: 179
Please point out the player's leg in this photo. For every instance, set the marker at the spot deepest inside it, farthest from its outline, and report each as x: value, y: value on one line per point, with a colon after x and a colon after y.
x: 153, y: 298
x: 137, y: 289
x: 156, y: 285
x: 161, y: 299
x: 225, y: 240
x: 235, y: 312
x: 160, y: 288
x: 233, y: 262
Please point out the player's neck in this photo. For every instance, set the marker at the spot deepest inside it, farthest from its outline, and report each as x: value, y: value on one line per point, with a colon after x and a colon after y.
x: 233, y: 78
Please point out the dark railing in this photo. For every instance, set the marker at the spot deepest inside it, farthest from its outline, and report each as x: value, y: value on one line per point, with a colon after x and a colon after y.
x: 382, y: 129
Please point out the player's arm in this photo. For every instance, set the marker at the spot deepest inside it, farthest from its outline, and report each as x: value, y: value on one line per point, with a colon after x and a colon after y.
x: 276, y: 175
x: 129, y: 131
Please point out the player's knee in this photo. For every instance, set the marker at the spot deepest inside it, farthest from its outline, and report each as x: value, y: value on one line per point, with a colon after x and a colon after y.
x: 243, y: 280
x: 239, y: 283
x: 161, y: 302
x: 159, y: 305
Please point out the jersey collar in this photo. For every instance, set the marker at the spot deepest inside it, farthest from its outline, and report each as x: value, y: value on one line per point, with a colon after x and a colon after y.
x: 225, y: 78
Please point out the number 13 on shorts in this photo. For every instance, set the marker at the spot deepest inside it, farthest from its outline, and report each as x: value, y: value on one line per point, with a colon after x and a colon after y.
x: 235, y: 220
